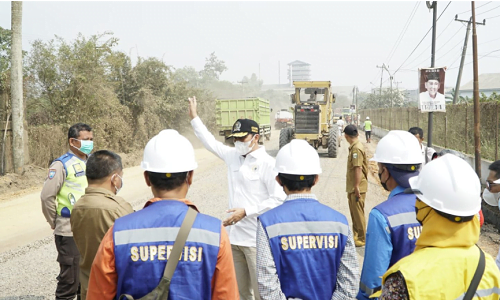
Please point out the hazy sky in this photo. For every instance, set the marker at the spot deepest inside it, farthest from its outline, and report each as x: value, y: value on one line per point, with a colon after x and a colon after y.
x: 343, y: 41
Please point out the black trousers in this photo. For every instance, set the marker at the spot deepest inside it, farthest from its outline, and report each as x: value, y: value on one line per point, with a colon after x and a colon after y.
x: 68, y: 258
x: 368, y: 134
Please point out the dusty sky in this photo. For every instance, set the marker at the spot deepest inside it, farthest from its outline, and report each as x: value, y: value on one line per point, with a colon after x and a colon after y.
x: 343, y: 41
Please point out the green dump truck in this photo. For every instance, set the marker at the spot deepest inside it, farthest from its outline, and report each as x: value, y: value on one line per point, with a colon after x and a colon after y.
x: 230, y: 110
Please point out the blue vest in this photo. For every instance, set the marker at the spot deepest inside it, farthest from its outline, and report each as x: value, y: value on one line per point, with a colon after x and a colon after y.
x: 143, y: 242
x: 399, y: 212
x: 307, y: 240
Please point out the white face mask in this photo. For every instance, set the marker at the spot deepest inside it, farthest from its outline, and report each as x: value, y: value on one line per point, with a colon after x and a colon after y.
x: 243, y: 148
x: 121, y: 185
x: 491, y: 198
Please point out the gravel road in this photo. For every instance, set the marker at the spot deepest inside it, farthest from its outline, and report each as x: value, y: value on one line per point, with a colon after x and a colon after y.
x: 28, y: 266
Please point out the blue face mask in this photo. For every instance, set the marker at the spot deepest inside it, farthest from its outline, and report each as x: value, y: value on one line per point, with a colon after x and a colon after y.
x: 86, y: 146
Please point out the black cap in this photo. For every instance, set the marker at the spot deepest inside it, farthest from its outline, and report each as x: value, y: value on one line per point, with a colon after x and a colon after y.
x: 351, y: 130
x: 432, y: 76
x: 243, y: 127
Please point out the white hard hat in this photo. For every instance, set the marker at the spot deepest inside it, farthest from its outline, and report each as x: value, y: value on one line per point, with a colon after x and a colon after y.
x: 449, y: 185
x: 298, y: 158
x: 398, y: 147
x: 169, y: 152
x: 368, y: 118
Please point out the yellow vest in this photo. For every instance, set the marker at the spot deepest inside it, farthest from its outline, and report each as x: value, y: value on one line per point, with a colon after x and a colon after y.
x: 74, y: 184
x: 446, y: 273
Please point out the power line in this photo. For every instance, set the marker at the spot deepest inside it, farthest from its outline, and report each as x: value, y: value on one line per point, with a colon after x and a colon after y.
x: 427, y: 48
x: 488, y: 10
x: 492, y: 17
x: 403, y: 32
x: 476, y: 7
x: 486, y: 55
x: 422, y: 38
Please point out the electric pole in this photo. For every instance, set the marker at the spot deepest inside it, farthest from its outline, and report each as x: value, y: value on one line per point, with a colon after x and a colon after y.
x: 432, y: 5
x: 16, y: 86
x: 477, y: 138
x: 464, y: 51
x: 381, y: 76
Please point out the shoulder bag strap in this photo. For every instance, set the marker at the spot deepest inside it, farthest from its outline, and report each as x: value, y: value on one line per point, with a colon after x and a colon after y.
x: 179, y: 243
x: 477, y: 276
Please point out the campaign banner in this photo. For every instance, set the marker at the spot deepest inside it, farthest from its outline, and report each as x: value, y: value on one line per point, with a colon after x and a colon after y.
x: 431, y: 90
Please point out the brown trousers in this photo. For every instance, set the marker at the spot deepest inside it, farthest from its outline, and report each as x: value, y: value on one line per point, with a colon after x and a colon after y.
x: 357, y: 209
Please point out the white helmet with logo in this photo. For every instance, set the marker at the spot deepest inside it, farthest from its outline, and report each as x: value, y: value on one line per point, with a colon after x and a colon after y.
x: 298, y: 158
x: 169, y: 152
x: 449, y: 185
x: 398, y: 147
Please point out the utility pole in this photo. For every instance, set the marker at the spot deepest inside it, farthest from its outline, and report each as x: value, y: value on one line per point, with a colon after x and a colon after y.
x: 390, y: 79
x: 464, y: 51
x: 432, y: 5
x: 477, y: 124
x: 381, y: 76
x: 16, y: 86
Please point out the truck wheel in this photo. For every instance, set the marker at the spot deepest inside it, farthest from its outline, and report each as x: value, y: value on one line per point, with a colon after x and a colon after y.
x: 333, y: 141
x: 285, y: 136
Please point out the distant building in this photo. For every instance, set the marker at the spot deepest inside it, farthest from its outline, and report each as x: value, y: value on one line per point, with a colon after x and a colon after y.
x: 488, y: 83
x: 298, y: 71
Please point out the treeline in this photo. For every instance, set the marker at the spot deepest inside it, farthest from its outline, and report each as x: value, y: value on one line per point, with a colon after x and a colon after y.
x: 89, y: 80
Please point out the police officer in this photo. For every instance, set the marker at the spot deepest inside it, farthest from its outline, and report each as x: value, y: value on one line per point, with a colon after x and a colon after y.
x: 65, y: 184
x: 356, y: 183
x: 134, y: 252
x: 305, y: 249
x: 446, y: 258
x: 392, y: 225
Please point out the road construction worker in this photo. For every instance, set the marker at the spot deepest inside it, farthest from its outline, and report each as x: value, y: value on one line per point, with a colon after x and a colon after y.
x: 367, y: 126
x: 253, y: 190
x: 356, y: 184
x: 340, y: 125
x: 64, y: 185
x: 98, y: 209
x: 133, y: 254
x: 392, y: 225
x: 445, y: 264
x: 305, y: 250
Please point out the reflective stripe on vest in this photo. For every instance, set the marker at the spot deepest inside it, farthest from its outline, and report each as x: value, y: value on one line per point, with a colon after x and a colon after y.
x: 445, y: 273
x: 307, y: 240
x: 152, y: 235
x: 143, y: 242
x: 74, y: 184
x: 399, y: 212
x: 312, y: 227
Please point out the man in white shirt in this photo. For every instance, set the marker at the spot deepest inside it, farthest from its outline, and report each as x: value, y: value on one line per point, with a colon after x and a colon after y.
x: 427, y: 152
x: 432, y: 98
x: 253, y: 190
x: 340, y: 124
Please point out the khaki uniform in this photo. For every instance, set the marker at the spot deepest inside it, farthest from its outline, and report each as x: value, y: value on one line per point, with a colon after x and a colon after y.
x: 67, y: 252
x: 92, y: 216
x: 357, y: 158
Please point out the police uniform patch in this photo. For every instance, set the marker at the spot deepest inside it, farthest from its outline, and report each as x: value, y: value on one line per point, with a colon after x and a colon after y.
x: 52, y: 173
x: 78, y: 170
x: 354, y: 155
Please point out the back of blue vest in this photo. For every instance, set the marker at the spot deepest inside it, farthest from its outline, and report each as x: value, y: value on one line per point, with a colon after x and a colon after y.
x: 143, y: 243
x: 307, y: 240
x: 399, y: 212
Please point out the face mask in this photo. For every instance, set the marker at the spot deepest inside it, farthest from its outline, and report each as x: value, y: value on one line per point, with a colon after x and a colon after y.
x: 243, y: 148
x: 491, y: 198
x: 418, y: 211
x: 121, y: 185
x: 384, y: 184
x: 86, y: 146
